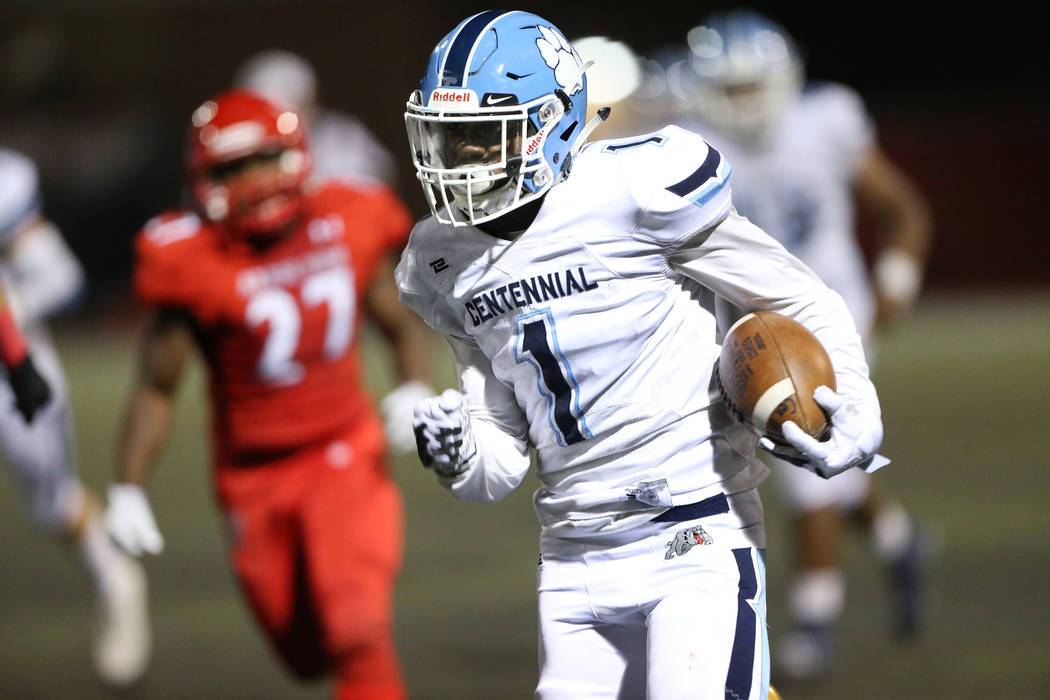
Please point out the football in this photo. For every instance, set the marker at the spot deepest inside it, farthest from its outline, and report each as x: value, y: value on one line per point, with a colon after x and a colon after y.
x: 768, y: 369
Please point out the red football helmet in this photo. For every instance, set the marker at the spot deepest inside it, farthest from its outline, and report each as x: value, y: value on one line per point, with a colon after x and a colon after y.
x: 247, y: 160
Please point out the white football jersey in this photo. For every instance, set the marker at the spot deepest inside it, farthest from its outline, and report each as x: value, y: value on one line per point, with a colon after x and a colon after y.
x: 40, y: 275
x: 599, y: 348
x: 342, y: 147
x: 20, y: 199
x: 796, y: 185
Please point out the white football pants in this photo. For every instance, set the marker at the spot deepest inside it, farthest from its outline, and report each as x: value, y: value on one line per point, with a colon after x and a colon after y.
x: 639, y: 614
x: 40, y: 455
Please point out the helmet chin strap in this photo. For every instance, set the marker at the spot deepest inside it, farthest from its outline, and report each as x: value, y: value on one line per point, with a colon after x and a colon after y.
x: 593, y: 124
x: 581, y: 139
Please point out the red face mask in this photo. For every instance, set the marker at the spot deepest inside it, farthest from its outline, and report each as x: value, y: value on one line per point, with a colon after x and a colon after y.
x: 256, y: 197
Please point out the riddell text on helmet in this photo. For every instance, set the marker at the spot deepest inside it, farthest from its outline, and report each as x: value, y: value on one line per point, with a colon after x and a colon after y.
x: 448, y: 96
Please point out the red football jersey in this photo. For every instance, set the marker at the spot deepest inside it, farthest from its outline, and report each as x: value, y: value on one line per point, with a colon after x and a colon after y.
x: 278, y: 326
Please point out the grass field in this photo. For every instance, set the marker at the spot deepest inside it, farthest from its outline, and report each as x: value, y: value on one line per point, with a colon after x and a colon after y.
x: 964, y: 385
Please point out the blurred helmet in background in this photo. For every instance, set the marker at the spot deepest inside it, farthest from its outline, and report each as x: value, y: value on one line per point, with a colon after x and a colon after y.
x: 283, y: 77
x: 660, y: 92
x: 246, y: 160
x: 496, y: 117
x: 744, y: 70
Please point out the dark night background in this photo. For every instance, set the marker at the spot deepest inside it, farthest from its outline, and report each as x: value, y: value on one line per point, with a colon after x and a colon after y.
x: 99, y: 93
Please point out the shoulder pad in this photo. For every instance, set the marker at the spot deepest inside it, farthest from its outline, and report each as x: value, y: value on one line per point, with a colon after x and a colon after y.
x: 834, y: 101
x: 669, y: 159
x: 679, y: 183
x: 170, y: 227
x: 685, y: 167
x: 430, y: 263
x: 371, y: 209
x: 691, y: 167
x: 427, y: 247
x: 842, y: 119
x: 178, y: 264
x: 169, y: 241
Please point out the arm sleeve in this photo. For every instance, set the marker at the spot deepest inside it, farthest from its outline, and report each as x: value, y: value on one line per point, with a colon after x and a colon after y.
x: 849, y: 127
x: 749, y: 269
x: 418, y: 289
x: 176, y: 267
x: 681, y: 187
x: 21, y: 200
x: 500, y: 430
x: 411, y: 292
x: 45, y: 274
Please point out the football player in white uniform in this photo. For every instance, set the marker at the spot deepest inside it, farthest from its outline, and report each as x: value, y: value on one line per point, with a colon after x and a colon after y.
x: 803, y: 159
x: 578, y: 286
x: 29, y: 392
x: 40, y: 277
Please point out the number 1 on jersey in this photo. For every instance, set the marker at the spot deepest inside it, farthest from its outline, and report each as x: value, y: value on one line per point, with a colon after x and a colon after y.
x: 538, y: 345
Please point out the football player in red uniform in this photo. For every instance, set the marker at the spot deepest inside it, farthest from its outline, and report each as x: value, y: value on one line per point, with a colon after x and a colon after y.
x: 268, y: 276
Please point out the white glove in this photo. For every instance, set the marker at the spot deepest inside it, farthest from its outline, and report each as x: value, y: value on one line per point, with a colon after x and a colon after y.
x: 444, y: 439
x: 130, y: 522
x: 397, y: 408
x: 856, y: 433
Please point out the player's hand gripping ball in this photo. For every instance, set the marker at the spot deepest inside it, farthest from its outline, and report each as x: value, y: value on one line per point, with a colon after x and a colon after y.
x: 768, y: 369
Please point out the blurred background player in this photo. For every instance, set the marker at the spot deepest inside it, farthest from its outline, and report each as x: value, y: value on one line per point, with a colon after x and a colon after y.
x: 269, y: 277
x: 637, y: 89
x: 27, y: 390
x: 41, y: 277
x: 804, y: 158
x: 342, y: 146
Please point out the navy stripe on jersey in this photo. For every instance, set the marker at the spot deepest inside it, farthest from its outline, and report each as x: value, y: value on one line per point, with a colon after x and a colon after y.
x: 715, y: 505
x: 613, y: 147
x: 707, y: 170
x: 454, y: 72
x: 742, y: 661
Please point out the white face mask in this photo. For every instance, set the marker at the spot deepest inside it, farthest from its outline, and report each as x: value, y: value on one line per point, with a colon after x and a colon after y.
x: 478, y: 165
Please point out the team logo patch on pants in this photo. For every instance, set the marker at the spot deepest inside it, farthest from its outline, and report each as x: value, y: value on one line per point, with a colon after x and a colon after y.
x: 684, y: 540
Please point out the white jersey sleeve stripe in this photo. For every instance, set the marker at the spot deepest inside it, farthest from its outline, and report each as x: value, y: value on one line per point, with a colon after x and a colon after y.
x: 706, y: 181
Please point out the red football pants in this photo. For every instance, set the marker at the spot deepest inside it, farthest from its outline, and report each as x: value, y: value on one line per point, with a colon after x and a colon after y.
x: 316, y: 545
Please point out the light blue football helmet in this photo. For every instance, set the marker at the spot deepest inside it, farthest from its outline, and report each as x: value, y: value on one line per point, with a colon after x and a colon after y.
x: 744, y: 70
x: 497, y: 117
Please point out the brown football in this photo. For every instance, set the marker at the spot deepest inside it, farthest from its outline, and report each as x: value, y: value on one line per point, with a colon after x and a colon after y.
x: 768, y: 369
